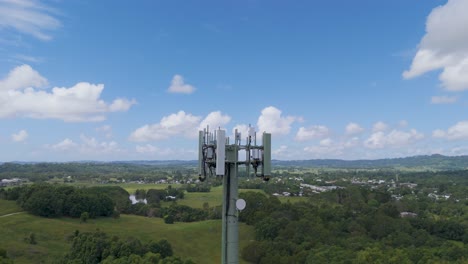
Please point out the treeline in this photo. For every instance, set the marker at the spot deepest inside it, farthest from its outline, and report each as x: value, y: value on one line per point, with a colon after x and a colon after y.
x: 98, y: 247
x: 353, y: 225
x: 155, y: 196
x: 173, y: 212
x: 60, y: 200
x: 85, y: 171
x: 198, y: 187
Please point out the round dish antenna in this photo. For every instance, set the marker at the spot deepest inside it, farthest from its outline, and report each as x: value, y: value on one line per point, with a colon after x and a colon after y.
x: 240, y: 204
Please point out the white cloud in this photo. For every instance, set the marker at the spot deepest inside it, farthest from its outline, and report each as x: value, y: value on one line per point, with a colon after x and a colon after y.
x: 93, y: 146
x: 180, y: 123
x: 22, y: 77
x: 282, y: 149
x: 438, y: 133
x: 106, y: 130
x: 403, y: 123
x: 325, y: 149
x: 271, y: 121
x: 353, y: 142
x: 455, y: 132
x: 28, y: 17
x: 19, y: 97
x: 148, y: 148
x: 88, y: 146
x: 312, y: 132
x: 444, y: 46
x: 286, y: 153
x: 443, y: 99
x: 215, y: 120
x: 379, y: 126
x: 21, y: 136
x: 28, y: 59
x: 153, y: 152
x: 243, y: 130
x: 393, y: 139
x: 326, y: 142
x: 353, y: 129
x: 179, y: 86
x: 64, y: 145
x: 121, y: 105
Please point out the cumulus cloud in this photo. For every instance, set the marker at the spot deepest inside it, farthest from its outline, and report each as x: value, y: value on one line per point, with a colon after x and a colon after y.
x: 106, y: 130
x: 455, y: 132
x: 444, y: 46
x: 272, y: 121
x: 121, y: 105
x: 179, y: 86
x: 20, y: 136
x: 28, y: 17
x: 379, y: 126
x: 86, y: 145
x: 312, y: 132
x: 153, y: 152
x: 403, y: 123
x: 93, y: 146
x: 179, y: 124
x: 21, y: 77
x: 353, y: 129
x: 148, y: 148
x: 443, y: 99
x: 215, y: 120
x: 392, y: 139
x: 20, y: 96
x: 64, y: 145
x: 326, y: 148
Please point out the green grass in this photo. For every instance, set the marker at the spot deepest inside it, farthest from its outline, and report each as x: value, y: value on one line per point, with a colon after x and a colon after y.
x: 8, y: 207
x: 213, y: 198
x: 200, y: 241
x: 129, y: 187
x: 293, y: 199
x: 132, y: 187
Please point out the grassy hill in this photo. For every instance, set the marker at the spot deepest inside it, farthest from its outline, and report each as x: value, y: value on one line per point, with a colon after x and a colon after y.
x: 199, y: 241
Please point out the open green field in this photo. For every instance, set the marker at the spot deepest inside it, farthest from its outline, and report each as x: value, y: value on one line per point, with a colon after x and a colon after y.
x: 8, y: 207
x: 213, y: 198
x: 200, y: 241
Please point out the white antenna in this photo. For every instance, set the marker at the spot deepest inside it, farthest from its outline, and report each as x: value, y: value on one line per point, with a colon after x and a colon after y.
x: 220, y: 152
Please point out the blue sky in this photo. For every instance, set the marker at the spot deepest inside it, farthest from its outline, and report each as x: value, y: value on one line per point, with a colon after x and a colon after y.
x: 125, y: 80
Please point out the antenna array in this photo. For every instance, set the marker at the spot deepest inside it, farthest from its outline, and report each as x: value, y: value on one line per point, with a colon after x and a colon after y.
x: 216, y: 153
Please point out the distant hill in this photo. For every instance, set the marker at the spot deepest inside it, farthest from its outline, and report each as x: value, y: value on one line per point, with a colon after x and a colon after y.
x: 436, y: 161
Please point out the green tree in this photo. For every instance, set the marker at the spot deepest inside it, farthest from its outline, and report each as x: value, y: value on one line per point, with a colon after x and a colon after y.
x: 162, y: 247
x: 169, y: 219
x: 84, y: 217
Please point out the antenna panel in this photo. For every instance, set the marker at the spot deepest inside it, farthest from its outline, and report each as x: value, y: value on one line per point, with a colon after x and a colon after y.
x: 220, y: 151
x: 266, y: 154
x: 201, y: 162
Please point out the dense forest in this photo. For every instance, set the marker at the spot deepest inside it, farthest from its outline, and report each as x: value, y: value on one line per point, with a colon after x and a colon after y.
x: 98, y: 247
x: 353, y: 225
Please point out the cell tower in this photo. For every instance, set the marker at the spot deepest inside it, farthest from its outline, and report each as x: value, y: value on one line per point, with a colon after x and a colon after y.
x: 217, y: 153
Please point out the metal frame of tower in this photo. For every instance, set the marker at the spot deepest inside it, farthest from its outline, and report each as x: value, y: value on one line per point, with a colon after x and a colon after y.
x: 215, y: 152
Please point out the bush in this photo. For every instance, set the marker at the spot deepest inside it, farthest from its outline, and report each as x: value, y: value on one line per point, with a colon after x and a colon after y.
x: 169, y: 219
